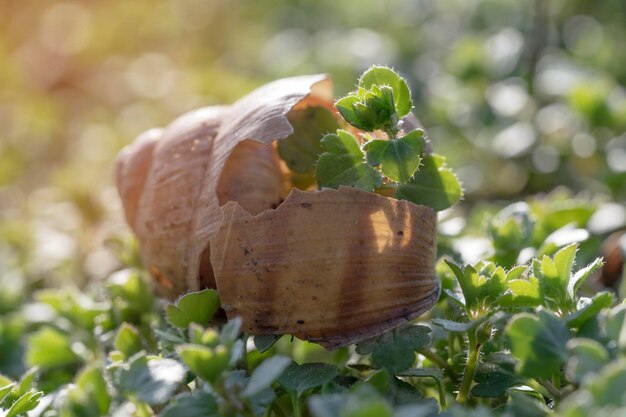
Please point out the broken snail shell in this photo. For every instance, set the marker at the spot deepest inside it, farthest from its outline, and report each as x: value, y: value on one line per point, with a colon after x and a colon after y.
x: 212, y: 206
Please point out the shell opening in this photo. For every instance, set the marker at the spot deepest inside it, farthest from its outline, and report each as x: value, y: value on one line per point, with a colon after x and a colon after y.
x: 251, y: 177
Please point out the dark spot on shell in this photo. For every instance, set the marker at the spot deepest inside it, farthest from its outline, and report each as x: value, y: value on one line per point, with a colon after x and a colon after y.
x: 246, y: 251
x: 401, y: 233
x: 300, y: 321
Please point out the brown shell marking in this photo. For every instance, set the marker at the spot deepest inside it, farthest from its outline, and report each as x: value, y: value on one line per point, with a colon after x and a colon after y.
x: 169, y: 183
x: 333, y: 267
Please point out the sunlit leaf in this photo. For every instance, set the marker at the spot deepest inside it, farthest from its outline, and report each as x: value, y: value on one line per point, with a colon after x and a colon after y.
x: 196, y: 404
x: 538, y: 342
x: 343, y: 164
x: 265, y: 374
x: 207, y: 363
x: 299, y: 378
x: 378, y: 75
x: 434, y: 185
x: 195, y: 307
x: 153, y: 381
x: 398, y: 158
x: 301, y: 149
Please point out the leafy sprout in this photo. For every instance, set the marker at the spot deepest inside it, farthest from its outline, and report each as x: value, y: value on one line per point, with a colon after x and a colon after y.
x: 401, y: 163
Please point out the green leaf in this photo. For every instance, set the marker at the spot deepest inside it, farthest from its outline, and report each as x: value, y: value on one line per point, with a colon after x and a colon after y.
x: 538, y: 342
x: 263, y: 342
x: 510, y: 231
x: 434, y: 185
x: 49, y: 348
x: 554, y: 278
x: 522, y: 405
x: 343, y: 164
x: 467, y: 278
x: 347, y: 108
x: 25, y: 403
x: 91, y: 381
x: 152, y: 381
x: 302, y: 148
x: 398, y: 158
x: 195, y: 307
x: 195, y: 404
x: 401, y: 393
x: 128, y: 340
x: 395, y: 350
x: 207, y: 363
x: 522, y: 293
x: 480, y: 289
x: 265, y: 374
x: 27, y: 381
x: 516, y: 272
x: 299, y: 378
x: 495, y: 374
x: 364, y: 401
x: 616, y: 325
x: 201, y: 336
x: 230, y: 332
x: 370, y: 109
x: 564, y: 261
x: 386, y: 76
x: 459, y: 327
x: 5, y: 390
x: 130, y: 287
x: 607, y: 388
x: 581, y: 276
x: 589, y: 308
x: 587, y: 358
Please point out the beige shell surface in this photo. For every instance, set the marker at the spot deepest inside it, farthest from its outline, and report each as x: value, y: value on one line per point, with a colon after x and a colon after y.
x: 334, y: 266
x: 168, y: 179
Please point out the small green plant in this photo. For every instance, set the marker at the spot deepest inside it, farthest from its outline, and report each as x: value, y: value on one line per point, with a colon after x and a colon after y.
x: 396, y: 161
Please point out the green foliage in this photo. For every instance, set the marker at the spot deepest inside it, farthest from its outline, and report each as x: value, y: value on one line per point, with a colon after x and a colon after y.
x: 381, y: 99
x: 434, y: 185
x: 298, y: 379
x: 395, y: 350
x: 127, y: 340
x: 207, y: 363
x: 538, y: 341
x: 50, y: 348
x: 265, y: 374
x: 197, y: 307
x: 398, y: 159
x: 151, y: 380
x: 302, y: 148
x: 196, y: 404
x: 342, y: 164
x: 495, y: 333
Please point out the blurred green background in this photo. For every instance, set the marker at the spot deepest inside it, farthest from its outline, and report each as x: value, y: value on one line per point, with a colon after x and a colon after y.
x: 522, y: 96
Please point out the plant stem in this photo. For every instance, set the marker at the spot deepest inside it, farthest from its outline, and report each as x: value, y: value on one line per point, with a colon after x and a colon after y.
x: 244, y: 354
x: 470, y: 368
x: 539, y: 388
x: 436, y: 359
x: 554, y: 391
x: 442, y: 394
x: 295, y: 404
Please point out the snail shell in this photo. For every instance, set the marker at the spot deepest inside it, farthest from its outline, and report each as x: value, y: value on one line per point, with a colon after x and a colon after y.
x: 334, y: 266
x: 205, y: 199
